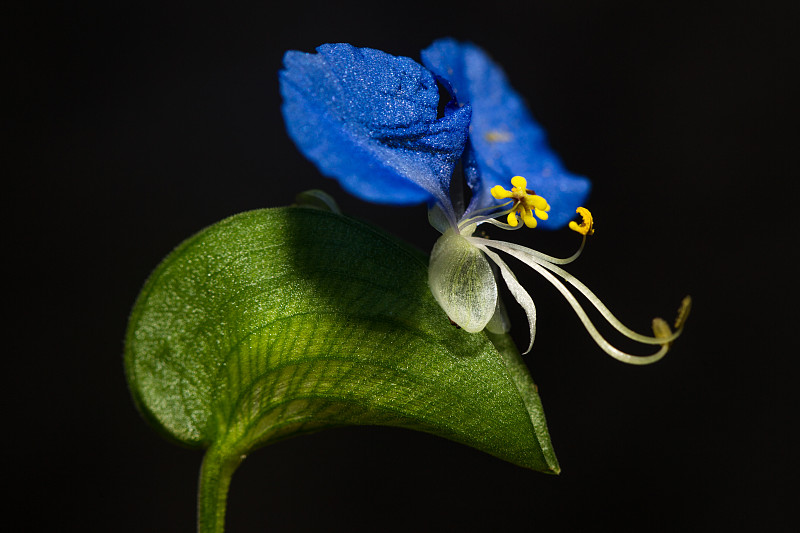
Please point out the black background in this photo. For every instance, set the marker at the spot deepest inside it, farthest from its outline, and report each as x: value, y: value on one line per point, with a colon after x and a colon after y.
x: 132, y: 127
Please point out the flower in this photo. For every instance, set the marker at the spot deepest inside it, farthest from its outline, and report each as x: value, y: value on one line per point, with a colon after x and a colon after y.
x: 371, y: 121
x: 504, y: 139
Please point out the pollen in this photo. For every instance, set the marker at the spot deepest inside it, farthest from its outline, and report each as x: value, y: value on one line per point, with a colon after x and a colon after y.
x: 527, y: 204
x: 586, y: 227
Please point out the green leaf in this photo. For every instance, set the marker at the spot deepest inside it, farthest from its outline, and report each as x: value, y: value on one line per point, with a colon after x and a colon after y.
x: 279, y: 322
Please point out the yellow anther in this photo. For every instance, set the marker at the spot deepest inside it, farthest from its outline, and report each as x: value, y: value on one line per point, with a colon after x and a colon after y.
x: 661, y: 329
x: 526, y: 203
x: 519, y: 182
x: 586, y: 227
x: 500, y: 193
x: 527, y: 218
x: 540, y: 203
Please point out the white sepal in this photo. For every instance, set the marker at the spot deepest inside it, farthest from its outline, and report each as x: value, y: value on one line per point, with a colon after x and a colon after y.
x: 462, y: 281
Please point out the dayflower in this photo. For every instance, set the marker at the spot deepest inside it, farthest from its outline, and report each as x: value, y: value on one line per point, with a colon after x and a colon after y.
x: 372, y: 121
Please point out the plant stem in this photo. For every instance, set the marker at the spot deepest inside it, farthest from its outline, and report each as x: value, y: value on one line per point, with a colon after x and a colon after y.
x: 212, y: 496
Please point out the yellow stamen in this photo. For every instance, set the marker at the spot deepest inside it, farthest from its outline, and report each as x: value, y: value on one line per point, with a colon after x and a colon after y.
x: 527, y: 217
x: 519, y: 182
x: 586, y: 227
x: 526, y: 203
x: 500, y: 193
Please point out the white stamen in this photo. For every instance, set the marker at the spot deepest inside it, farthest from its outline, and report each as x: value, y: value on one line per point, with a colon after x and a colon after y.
x: 517, y: 290
x: 532, y: 257
x: 479, y: 219
x: 503, y: 225
x: 617, y: 354
x: 508, y: 246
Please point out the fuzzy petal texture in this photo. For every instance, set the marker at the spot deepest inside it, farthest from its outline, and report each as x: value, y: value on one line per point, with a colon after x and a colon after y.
x: 369, y: 120
x: 505, y: 140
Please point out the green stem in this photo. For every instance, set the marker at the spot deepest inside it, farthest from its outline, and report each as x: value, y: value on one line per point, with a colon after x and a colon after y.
x: 212, y: 496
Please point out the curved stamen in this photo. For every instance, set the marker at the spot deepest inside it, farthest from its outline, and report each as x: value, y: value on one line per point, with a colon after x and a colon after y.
x: 586, y: 227
x: 524, y: 300
x: 492, y: 208
x: 532, y: 258
x: 614, y: 352
x: 503, y: 225
x: 517, y: 290
x: 536, y: 253
x: 485, y: 218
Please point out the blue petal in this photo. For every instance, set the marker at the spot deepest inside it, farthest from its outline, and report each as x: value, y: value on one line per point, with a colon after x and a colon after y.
x: 505, y: 140
x: 368, y: 119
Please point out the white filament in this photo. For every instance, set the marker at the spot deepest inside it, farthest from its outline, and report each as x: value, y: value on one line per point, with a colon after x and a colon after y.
x: 517, y: 290
x: 507, y: 246
x: 544, y: 265
x: 532, y: 257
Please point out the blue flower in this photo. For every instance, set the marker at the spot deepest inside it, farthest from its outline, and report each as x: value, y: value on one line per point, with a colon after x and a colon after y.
x: 371, y: 121
x: 505, y: 140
